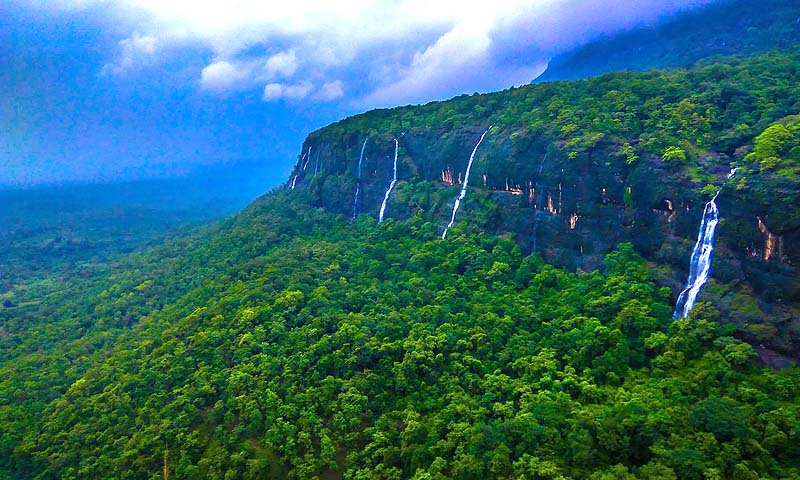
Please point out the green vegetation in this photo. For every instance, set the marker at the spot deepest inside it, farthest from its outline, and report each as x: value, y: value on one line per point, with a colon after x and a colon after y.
x: 289, y: 342
x: 71, y: 230
x: 778, y: 148
x: 674, y: 154
x: 298, y: 344
x: 599, y: 145
x: 678, y: 114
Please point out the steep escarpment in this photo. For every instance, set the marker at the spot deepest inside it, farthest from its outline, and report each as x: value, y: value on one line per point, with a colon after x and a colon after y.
x: 292, y: 342
x: 572, y: 169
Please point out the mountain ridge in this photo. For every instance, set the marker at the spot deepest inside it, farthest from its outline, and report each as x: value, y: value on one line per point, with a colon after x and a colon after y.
x: 729, y: 27
x: 570, y: 185
x: 536, y: 341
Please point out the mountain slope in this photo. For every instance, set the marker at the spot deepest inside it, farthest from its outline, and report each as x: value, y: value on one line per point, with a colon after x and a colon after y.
x: 351, y: 349
x: 723, y: 28
x: 572, y: 169
x: 293, y: 341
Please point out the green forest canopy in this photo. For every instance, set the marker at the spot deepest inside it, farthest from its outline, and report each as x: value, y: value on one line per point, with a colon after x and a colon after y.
x: 380, y: 351
x: 290, y: 342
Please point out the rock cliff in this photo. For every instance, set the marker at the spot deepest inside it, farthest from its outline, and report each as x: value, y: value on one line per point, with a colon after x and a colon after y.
x: 572, y: 169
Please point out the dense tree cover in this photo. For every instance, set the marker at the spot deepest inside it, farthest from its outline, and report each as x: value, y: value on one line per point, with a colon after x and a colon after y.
x: 289, y: 342
x: 62, y: 326
x: 635, y: 157
x: 718, y: 105
x: 297, y: 344
x: 771, y: 176
x: 778, y: 147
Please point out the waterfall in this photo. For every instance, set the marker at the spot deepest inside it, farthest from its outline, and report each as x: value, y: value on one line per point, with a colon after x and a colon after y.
x: 391, y: 185
x: 463, y: 191
x: 538, y: 202
x: 355, y: 201
x: 361, y: 157
x: 702, y: 254
x: 358, y: 182
x: 302, y: 168
x: 700, y: 265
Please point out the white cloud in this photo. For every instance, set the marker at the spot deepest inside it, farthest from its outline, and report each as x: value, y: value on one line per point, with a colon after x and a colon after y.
x: 222, y: 76
x: 134, y: 52
x: 297, y: 91
x: 272, y: 91
x: 142, y: 44
x: 278, y: 91
x: 454, y: 59
x: 330, y: 91
x: 282, y: 64
x: 386, y: 52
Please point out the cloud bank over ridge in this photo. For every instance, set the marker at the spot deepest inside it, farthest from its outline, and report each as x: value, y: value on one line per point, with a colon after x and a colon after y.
x: 368, y: 53
x: 102, y: 90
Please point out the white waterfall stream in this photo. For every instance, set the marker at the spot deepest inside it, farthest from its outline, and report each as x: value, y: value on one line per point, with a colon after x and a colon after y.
x: 463, y: 192
x: 538, y: 201
x: 358, y: 182
x: 391, y: 185
x: 355, y: 200
x: 307, y: 157
x: 702, y: 254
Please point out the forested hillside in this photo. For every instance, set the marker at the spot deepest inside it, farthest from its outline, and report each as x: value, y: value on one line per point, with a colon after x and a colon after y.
x: 725, y: 27
x: 300, y: 344
x: 303, y: 338
x: 571, y: 169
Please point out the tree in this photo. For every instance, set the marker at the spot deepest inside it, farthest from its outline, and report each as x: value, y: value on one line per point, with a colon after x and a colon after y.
x: 674, y: 154
x: 721, y: 416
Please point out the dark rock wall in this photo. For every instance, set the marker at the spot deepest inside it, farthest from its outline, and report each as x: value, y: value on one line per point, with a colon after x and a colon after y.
x: 574, y: 210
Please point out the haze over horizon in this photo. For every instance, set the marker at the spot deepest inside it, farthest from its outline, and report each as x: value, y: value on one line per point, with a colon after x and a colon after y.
x: 103, y: 90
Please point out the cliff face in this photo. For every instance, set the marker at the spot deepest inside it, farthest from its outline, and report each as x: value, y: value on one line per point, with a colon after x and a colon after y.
x: 573, y: 200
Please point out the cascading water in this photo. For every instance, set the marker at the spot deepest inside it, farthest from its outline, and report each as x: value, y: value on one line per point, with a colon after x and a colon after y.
x: 537, y: 202
x: 391, y: 185
x: 702, y: 254
x: 307, y: 157
x: 358, y: 182
x: 700, y: 265
x: 355, y: 200
x: 361, y: 157
x: 463, y: 191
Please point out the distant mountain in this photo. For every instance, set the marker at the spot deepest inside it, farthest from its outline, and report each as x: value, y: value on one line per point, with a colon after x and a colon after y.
x: 52, y: 227
x: 724, y: 28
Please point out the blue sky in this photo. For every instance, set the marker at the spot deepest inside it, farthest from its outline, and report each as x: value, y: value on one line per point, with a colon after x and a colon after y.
x: 100, y: 90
